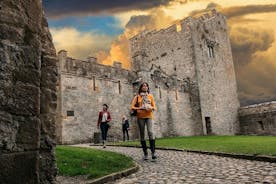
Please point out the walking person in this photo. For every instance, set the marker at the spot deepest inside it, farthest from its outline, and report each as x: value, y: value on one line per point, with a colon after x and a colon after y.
x: 103, y: 120
x: 144, y: 118
x: 125, y: 127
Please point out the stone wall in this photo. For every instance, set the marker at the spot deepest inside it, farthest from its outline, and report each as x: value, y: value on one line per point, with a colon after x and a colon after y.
x: 169, y: 49
x: 85, y: 87
x: 165, y: 59
x: 189, y: 84
x: 27, y: 94
x: 185, y: 53
x: 177, y: 113
x: 259, y: 119
x: 215, y: 73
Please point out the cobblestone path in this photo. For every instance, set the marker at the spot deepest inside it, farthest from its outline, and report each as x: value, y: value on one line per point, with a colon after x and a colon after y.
x: 174, y: 167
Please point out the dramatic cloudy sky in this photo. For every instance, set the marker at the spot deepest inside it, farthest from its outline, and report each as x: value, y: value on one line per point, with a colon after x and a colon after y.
x: 102, y: 29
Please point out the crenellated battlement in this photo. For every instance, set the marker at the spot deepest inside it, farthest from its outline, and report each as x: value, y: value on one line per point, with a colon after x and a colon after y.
x: 258, y: 108
x: 183, y: 25
x: 258, y: 119
x: 188, y: 66
x: 90, y: 67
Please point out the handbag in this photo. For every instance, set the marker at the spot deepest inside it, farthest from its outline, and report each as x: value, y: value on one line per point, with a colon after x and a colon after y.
x: 134, y: 111
x: 108, y: 125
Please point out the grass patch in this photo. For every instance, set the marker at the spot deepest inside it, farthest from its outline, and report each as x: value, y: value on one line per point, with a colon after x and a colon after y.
x: 72, y: 161
x: 252, y: 145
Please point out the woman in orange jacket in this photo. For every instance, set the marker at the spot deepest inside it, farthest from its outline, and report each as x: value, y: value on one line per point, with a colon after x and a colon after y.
x: 144, y: 117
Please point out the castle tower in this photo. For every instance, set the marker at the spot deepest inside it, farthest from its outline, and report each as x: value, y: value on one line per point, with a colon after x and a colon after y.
x: 200, y: 57
x: 62, y: 57
x: 165, y: 60
x: 215, y: 74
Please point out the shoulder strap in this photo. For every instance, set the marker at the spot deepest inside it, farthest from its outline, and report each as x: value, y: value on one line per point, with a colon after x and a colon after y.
x: 137, y: 98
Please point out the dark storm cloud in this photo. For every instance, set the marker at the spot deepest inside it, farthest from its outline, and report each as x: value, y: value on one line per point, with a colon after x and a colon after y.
x: 209, y: 6
x: 254, y: 73
x: 156, y: 19
x: 250, y: 9
x: 247, y: 41
x: 60, y: 8
x: 237, y: 11
x: 255, y: 80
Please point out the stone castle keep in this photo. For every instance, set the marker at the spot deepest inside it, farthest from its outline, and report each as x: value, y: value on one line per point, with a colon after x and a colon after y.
x: 190, y: 73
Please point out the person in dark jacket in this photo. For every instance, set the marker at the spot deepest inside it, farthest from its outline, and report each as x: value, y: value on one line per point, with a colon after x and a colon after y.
x: 103, y: 120
x: 125, y: 127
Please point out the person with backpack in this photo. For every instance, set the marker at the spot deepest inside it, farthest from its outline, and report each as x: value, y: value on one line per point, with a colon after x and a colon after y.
x: 144, y: 104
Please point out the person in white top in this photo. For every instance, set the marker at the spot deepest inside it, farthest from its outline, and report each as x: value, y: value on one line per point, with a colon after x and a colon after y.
x: 103, y: 120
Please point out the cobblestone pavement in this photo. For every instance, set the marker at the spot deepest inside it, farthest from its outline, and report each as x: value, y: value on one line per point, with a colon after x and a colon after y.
x: 183, y: 167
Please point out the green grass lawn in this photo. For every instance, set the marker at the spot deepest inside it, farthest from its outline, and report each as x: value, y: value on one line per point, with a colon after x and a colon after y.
x: 72, y: 161
x: 252, y: 145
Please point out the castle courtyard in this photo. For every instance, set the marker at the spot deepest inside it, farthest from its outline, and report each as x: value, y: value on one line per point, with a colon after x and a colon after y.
x: 184, y: 167
x: 50, y: 98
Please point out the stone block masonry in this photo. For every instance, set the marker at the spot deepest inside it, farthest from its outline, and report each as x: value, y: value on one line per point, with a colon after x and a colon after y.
x: 28, y: 79
x: 190, y: 72
x: 215, y: 74
x: 199, y: 54
x: 84, y: 87
x: 258, y: 119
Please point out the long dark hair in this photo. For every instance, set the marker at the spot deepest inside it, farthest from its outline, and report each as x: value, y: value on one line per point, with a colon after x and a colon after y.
x: 105, y: 106
x: 140, y: 88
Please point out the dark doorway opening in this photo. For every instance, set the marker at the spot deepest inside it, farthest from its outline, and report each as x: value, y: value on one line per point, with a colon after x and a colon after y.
x: 208, y: 125
x: 261, y: 124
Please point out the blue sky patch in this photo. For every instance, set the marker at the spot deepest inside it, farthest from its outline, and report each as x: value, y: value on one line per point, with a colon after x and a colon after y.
x: 99, y: 24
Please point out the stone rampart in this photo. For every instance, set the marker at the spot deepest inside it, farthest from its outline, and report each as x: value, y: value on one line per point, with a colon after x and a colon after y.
x: 258, y: 119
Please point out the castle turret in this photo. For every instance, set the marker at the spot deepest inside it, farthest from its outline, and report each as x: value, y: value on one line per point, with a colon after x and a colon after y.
x: 62, y: 57
x: 139, y: 62
x: 117, y: 64
x: 92, y: 60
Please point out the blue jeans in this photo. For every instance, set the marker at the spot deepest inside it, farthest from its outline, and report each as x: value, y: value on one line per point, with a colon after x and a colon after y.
x: 104, y: 129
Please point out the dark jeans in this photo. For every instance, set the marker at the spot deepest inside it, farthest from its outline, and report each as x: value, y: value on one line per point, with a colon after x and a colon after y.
x: 125, y: 131
x: 104, y: 129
